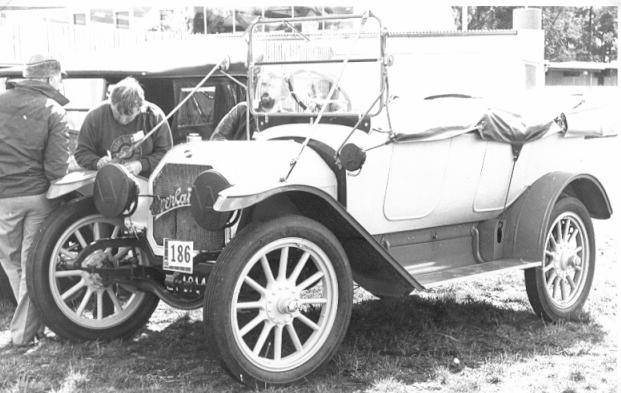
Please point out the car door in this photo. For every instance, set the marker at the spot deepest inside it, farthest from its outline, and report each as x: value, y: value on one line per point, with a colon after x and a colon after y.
x: 493, y: 183
x: 446, y: 181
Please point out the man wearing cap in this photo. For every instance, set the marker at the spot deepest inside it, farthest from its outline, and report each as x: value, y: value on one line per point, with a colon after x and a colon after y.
x: 34, y: 147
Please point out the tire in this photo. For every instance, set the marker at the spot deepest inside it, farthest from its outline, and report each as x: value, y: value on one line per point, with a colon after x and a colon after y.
x: 319, y: 275
x: 560, y: 287
x: 6, y: 292
x: 74, y: 304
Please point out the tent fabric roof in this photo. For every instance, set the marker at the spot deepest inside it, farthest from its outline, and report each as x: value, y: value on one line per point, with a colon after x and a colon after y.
x: 156, y: 58
x: 111, y: 70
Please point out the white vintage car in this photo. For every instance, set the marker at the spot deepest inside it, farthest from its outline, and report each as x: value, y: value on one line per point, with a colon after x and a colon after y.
x: 270, y: 234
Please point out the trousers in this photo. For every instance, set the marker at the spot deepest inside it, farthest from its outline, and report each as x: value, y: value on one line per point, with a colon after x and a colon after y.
x: 20, y: 220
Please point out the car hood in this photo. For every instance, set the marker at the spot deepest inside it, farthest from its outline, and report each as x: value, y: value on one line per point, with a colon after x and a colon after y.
x: 253, y: 166
x: 332, y: 135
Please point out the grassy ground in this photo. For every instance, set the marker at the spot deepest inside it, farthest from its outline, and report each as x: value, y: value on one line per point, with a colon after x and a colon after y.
x: 477, y: 336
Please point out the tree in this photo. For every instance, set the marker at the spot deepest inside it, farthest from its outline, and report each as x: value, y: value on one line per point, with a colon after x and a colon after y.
x: 571, y: 33
x: 490, y: 18
x: 580, y: 33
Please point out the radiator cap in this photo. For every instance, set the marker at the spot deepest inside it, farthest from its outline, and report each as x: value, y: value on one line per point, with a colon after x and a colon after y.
x: 205, y: 191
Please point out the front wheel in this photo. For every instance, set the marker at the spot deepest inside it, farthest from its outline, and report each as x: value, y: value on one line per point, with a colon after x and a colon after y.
x: 278, y: 301
x: 559, y: 288
x: 72, y: 302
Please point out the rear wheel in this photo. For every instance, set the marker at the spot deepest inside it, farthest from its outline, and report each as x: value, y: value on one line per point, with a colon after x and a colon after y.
x: 76, y: 304
x: 559, y: 288
x: 278, y: 301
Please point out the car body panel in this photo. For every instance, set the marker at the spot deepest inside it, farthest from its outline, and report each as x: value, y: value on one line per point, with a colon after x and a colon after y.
x: 566, y: 154
x: 466, y: 179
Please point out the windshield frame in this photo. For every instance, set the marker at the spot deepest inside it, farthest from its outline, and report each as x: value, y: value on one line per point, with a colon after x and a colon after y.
x: 290, y: 23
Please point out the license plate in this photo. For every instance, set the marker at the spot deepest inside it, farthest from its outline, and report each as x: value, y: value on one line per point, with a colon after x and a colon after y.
x: 179, y: 256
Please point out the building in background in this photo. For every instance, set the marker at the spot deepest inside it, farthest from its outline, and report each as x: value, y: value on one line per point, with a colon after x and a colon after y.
x: 76, y: 30
x: 204, y: 18
x: 462, y: 61
x: 581, y: 73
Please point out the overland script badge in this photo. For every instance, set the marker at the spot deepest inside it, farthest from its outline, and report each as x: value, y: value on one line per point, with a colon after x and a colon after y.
x: 162, y: 204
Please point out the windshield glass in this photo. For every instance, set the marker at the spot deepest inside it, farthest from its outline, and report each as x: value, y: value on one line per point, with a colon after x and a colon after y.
x: 296, y: 66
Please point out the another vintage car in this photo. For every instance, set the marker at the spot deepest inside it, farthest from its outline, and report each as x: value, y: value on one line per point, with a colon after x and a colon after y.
x: 87, y: 84
x: 344, y: 183
x: 165, y: 83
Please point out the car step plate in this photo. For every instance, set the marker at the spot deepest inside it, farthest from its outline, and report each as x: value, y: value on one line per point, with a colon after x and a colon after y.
x: 445, y: 276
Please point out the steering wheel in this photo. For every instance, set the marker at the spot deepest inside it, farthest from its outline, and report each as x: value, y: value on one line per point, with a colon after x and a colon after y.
x: 312, y: 101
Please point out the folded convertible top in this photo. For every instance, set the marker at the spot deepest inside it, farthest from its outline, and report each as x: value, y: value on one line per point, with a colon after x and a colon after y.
x: 515, y: 120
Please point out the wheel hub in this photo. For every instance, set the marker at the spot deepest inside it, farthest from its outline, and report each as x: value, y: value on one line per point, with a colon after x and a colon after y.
x: 94, y: 281
x: 288, y: 305
x: 565, y: 258
x: 96, y: 260
x: 282, y: 303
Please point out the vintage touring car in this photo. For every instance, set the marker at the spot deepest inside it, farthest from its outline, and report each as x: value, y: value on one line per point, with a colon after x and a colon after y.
x: 344, y: 183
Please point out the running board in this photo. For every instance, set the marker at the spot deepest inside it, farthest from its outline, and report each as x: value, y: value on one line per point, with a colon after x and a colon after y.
x: 445, y: 276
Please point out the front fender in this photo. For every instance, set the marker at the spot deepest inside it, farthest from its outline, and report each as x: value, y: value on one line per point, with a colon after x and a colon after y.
x: 372, y: 266
x: 243, y: 196
x: 81, y: 181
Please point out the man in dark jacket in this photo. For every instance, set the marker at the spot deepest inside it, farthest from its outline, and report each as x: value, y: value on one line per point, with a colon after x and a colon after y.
x: 110, y: 129
x: 232, y: 127
x: 34, y: 147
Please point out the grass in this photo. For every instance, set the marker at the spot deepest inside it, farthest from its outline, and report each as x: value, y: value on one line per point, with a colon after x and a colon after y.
x: 476, y: 336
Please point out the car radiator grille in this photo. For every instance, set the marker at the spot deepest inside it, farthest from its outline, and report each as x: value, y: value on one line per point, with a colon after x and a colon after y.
x: 172, y: 217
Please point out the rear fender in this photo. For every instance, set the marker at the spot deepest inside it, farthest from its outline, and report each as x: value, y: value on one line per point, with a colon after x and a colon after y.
x: 526, y: 220
x: 372, y: 266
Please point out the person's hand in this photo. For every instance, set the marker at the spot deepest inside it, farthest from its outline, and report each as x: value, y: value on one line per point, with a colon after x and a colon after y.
x: 103, y: 161
x: 135, y: 167
x: 72, y: 165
